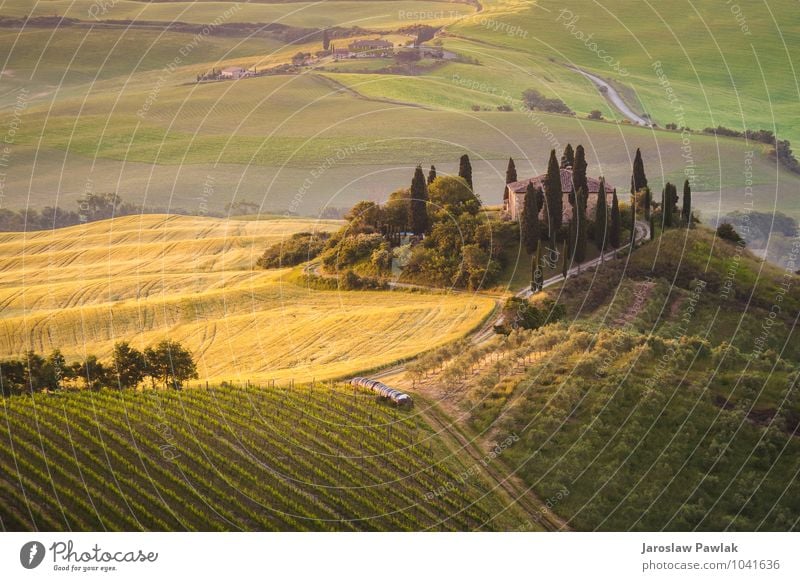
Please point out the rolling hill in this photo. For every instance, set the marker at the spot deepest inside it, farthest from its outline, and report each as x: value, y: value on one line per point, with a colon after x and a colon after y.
x: 145, y: 278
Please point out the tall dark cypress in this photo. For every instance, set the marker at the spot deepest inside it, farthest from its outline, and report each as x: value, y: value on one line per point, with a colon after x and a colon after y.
x: 666, y: 206
x: 465, y: 170
x: 568, y: 158
x: 580, y: 227
x: 326, y: 41
x: 601, y: 216
x: 565, y: 258
x: 615, y: 235
x: 418, y: 207
x: 432, y: 174
x: 647, y: 201
x: 553, y: 196
x: 579, y: 173
x: 529, y: 221
x: 639, y: 177
x: 686, y: 211
x: 511, y: 177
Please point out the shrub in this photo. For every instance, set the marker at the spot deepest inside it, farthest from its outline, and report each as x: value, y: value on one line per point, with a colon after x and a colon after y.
x: 726, y: 231
x: 299, y: 248
x: 533, y: 99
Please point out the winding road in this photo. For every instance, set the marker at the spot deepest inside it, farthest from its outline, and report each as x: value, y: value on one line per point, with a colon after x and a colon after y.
x: 613, y: 97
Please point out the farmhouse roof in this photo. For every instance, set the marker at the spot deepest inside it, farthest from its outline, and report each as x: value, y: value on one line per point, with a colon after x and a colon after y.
x: 566, y: 183
x: 375, y: 43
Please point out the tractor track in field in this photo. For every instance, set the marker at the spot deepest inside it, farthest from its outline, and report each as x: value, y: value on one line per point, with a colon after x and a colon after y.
x: 508, y: 484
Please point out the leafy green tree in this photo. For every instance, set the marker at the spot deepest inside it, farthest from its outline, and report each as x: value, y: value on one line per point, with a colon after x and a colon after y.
x: 529, y: 221
x: 601, y: 216
x: 363, y: 217
x: 686, y: 210
x: 451, y: 196
x: 465, y: 170
x: 568, y: 157
x: 418, y: 208
x: 615, y: 235
x: 128, y: 365
x: 170, y: 364
x: 553, y: 196
x: 726, y: 231
x: 92, y: 372
x: 55, y: 370
x: 12, y: 377
x: 431, y: 174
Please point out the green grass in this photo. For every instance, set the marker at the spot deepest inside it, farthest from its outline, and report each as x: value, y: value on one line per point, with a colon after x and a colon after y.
x: 321, y: 459
x: 370, y: 14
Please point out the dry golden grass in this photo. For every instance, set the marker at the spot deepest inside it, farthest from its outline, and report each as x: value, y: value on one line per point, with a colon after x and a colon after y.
x: 193, y: 279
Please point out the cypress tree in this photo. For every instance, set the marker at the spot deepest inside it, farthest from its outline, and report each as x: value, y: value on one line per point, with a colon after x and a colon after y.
x: 537, y: 277
x: 529, y: 221
x: 565, y: 258
x: 511, y: 177
x: 639, y: 178
x: 686, y: 211
x: 579, y: 173
x: 615, y: 235
x: 418, y: 206
x: 432, y: 175
x: 553, y: 196
x: 465, y: 170
x: 601, y: 216
x: 652, y: 228
x: 326, y: 41
x: 669, y: 200
x: 568, y: 158
x: 647, y: 201
x: 580, y: 226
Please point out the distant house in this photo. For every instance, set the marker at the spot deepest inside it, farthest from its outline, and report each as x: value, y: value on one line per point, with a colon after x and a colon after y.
x: 515, y: 194
x: 376, y: 47
x: 234, y: 73
x: 341, y: 53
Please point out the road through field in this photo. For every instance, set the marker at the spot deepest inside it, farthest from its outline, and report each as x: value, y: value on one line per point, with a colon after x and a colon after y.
x: 613, y: 97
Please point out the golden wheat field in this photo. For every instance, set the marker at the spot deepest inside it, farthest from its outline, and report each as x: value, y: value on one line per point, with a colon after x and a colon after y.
x: 193, y: 279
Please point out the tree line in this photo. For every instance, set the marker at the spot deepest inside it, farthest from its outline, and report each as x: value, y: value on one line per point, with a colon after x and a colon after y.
x: 166, y: 364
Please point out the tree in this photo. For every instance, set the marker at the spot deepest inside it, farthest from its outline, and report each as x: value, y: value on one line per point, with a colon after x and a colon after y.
x: 579, y: 173
x: 639, y: 179
x: 432, y: 174
x: 581, y: 223
x: 686, y: 210
x: 326, y: 41
x: 465, y: 170
x: 568, y: 157
x: 645, y: 199
x: 529, y: 221
x: 511, y: 177
x: 615, y: 235
x: 93, y: 373
x: 553, y: 193
x: 55, y: 370
x: 451, y: 196
x: 601, y: 216
x: 669, y: 203
x: 537, y: 276
x: 128, y: 365
x: 726, y: 231
x: 652, y: 228
x: 169, y: 363
x: 418, y: 208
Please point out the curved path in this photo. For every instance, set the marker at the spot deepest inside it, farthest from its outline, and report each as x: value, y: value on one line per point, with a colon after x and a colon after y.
x: 613, y: 97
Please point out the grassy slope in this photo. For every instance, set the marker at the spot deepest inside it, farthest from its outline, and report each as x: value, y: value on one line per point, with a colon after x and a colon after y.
x: 220, y: 459
x: 626, y: 408
x: 371, y: 14
x: 83, y: 288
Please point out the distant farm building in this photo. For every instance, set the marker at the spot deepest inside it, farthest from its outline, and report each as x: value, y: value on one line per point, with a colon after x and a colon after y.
x: 515, y: 194
x: 234, y: 73
x: 376, y: 47
x: 341, y: 53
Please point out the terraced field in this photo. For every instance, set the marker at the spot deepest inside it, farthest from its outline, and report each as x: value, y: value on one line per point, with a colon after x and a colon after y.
x: 247, y: 459
x: 145, y: 278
